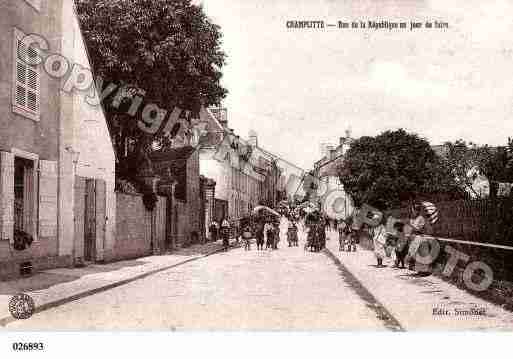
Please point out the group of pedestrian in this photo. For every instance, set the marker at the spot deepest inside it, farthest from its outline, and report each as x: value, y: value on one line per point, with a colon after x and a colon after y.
x: 316, y: 232
x: 347, y: 235
x: 266, y: 231
x: 271, y: 234
x: 398, y: 241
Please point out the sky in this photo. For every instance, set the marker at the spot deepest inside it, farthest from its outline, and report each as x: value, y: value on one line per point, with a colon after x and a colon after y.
x: 299, y: 87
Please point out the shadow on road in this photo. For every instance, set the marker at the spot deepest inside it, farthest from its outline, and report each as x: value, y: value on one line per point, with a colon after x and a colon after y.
x: 200, y: 249
x: 49, y: 278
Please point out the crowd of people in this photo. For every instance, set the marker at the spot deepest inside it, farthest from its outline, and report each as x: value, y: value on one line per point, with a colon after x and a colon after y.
x: 391, y: 238
x: 399, y: 240
x: 265, y: 230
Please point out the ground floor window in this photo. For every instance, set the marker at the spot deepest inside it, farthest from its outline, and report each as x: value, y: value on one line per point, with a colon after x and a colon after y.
x: 24, y: 196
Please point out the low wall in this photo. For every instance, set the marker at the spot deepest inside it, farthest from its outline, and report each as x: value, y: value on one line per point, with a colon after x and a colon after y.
x: 138, y: 230
x: 181, y: 223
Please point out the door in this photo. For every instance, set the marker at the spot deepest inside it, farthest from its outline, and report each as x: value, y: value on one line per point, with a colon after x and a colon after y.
x: 221, y: 209
x: 79, y: 216
x: 90, y: 221
x: 101, y: 217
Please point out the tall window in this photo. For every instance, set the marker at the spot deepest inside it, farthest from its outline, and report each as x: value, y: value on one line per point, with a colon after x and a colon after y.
x: 24, y: 196
x: 26, y: 80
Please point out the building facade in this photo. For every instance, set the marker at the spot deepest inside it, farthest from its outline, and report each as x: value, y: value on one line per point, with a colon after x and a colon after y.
x: 185, y: 204
x: 245, y: 174
x: 56, y: 158
x: 326, y: 177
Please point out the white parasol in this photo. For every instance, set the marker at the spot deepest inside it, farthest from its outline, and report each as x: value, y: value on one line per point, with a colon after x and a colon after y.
x: 272, y: 211
x: 431, y: 211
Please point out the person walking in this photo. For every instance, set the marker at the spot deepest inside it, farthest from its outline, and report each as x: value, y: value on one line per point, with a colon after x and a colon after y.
x: 355, y: 228
x: 342, y: 231
x: 276, y: 235
x: 416, y: 226
x: 379, y: 239
x: 225, y: 233
x: 292, y: 234
x: 214, y: 229
x: 268, y: 233
x: 401, y: 247
x: 246, y: 236
x: 259, y: 232
x: 321, y: 233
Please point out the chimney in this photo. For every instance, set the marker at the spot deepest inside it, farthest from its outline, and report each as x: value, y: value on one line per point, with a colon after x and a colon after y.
x: 253, y: 139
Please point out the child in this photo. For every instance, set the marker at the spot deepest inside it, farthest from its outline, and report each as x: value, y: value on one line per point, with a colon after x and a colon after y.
x: 292, y: 234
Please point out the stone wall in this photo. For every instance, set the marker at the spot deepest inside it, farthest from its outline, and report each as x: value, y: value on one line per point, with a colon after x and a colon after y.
x: 134, y: 228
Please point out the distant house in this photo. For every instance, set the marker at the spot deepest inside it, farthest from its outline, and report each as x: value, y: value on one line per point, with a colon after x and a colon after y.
x: 56, y: 158
x: 181, y: 165
x: 480, y: 184
x: 239, y: 180
x: 245, y: 174
x: 326, y: 171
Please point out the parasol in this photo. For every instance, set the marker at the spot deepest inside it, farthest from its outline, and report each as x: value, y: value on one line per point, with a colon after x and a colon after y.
x: 431, y: 211
x: 272, y: 211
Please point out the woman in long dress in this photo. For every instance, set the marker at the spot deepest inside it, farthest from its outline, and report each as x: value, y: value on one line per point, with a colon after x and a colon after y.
x: 225, y: 233
x: 416, y: 226
x: 268, y: 234
x: 379, y: 239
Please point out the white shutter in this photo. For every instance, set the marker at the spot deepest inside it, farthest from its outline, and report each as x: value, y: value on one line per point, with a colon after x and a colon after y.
x: 47, y: 198
x: 27, y: 78
x: 21, y: 73
x: 6, y: 196
x: 33, y: 89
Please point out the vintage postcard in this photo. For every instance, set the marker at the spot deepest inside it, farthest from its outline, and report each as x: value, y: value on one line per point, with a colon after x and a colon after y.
x: 226, y: 165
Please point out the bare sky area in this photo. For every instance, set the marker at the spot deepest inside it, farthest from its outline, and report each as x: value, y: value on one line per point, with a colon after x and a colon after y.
x: 300, y: 87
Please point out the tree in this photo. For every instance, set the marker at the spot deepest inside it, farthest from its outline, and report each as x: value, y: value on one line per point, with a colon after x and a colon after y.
x: 467, y: 161
x: 462, y: 160
x: 495, y: 163
x: 167, y: 51
x: 394, y: 167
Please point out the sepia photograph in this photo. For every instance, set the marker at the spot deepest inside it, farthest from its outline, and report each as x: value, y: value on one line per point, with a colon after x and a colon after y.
x: 285, y: 166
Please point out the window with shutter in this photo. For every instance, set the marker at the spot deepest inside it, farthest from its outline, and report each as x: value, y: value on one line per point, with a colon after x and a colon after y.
x: 26, y: 80
x: 24, y: 195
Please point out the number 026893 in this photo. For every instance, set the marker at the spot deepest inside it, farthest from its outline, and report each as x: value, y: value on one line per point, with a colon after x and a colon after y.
x: 19, y: 346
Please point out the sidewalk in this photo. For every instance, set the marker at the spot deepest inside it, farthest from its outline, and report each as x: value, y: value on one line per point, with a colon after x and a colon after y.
x: 54, y: 287
x: 411, y: 300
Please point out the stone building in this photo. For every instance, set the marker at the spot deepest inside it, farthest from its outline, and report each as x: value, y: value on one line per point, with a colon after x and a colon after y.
x: 246, y: 175
x: 229, y: 161
x: 56, y: 157
x: 326, y: 172
x: 185, y: 204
